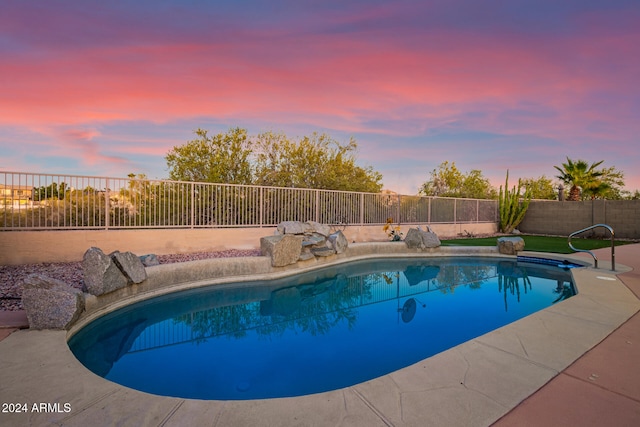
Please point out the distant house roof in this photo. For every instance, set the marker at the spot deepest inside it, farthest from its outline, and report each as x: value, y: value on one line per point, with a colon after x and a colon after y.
x: 15, y: 190
x: 16, y: 187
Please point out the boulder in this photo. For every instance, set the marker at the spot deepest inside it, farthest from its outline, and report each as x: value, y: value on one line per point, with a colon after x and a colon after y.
x: 322, y: 252
x: 149, y: 260
x: 306, y: 255
x: 322, y: 229
x: 51, y: 303
x: 294, y: 227
x: 101, y: 274
x: 420, y: 239
x: 338, y: 242
x: 510, y: 245
x: 317, y: 241
x: 283, y: 249
x: 130, y: 265
x: 430, y: 239
x: 413, y: 239
x: 314, y: 240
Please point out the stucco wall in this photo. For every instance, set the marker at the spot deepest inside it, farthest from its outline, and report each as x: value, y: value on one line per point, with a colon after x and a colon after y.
x: 30, y: 247
x: 563, y: 218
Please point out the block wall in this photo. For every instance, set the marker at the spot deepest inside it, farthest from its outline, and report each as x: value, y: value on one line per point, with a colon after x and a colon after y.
x: 563, y: 218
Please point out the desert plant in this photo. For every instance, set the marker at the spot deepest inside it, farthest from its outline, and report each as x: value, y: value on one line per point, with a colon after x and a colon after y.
x: 512, y: 205
x: 393, y: 232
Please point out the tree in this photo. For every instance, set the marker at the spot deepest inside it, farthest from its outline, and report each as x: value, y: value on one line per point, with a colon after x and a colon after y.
x: 476, y: 186
x: 586, y: 181
x: 633, y: 196
x: 52, y: 191
x: 222, y: 158
x: 272, y: 159
x: 448, y: 181
x: 541, y: 188
x: 609, y: 186
x: 316, y: 161
x: 444, y: 181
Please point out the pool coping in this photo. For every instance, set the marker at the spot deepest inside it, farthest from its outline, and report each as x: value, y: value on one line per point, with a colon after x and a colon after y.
x: 474, y: 383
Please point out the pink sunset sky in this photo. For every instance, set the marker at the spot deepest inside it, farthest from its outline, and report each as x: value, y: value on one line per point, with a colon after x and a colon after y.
x: 108, y: 88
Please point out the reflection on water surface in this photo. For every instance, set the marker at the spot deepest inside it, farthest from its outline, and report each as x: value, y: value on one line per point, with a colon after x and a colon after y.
x: 318, y: 331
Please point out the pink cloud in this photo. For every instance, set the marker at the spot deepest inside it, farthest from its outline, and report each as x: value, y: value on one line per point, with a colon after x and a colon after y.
x: 81, y: 143
x: 160, y: 83
x: 354, y: 70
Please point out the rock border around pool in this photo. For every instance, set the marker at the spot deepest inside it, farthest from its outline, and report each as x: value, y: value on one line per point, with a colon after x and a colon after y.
x: 118, y: 279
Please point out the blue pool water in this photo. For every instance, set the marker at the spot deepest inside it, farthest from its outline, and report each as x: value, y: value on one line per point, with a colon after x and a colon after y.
x: 314, y: 332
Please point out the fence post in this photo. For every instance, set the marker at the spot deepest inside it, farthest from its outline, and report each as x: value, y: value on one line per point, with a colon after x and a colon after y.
x: 361, y: 209
x: 398, y: 209
x: 261, y: 208
x: 193, y: 205
x: 455, y: 210
x: 107, y: 202
x: 318, y: 206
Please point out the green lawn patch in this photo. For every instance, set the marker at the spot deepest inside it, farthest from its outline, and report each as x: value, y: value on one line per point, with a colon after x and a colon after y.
x: 540, y: 243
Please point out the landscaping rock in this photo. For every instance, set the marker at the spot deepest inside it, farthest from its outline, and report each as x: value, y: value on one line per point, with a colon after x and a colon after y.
x: 101, y: 274
x: 283, y: 249
x: 322, y: 252
x: 314, y: 240
x: 430, y: 239
x: 338, y: 242
x: 510, y: 245
x: 51, y: 303
x: 322, y: 229
x: 149, y: 260
x: 294, y: 227
x: 306, y: 255
x: 299, y: 227
x: 420, y: 239
x: 413, y: 239
x: 130, y: 265
x: 317, y: 240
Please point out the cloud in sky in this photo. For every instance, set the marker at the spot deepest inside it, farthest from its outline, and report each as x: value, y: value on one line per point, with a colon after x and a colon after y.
x: 109, y: 88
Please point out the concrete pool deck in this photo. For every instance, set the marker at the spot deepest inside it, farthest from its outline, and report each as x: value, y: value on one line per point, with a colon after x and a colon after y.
x: 574, y: 363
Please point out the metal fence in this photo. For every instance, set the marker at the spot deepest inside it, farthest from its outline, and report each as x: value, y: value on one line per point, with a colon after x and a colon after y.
x: 31, y: 201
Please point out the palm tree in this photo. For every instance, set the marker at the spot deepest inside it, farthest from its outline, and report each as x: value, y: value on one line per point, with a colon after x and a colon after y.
x: 580, y: 176
x: 599, y: 189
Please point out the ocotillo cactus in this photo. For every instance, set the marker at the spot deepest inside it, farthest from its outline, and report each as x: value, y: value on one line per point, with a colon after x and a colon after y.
x: 511, y: 208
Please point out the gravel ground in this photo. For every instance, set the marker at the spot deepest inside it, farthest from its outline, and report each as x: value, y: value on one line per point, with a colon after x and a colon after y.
x: 12, y: 276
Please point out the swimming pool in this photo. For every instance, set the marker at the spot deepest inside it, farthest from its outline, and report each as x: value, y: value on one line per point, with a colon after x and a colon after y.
x: 313, y: 332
